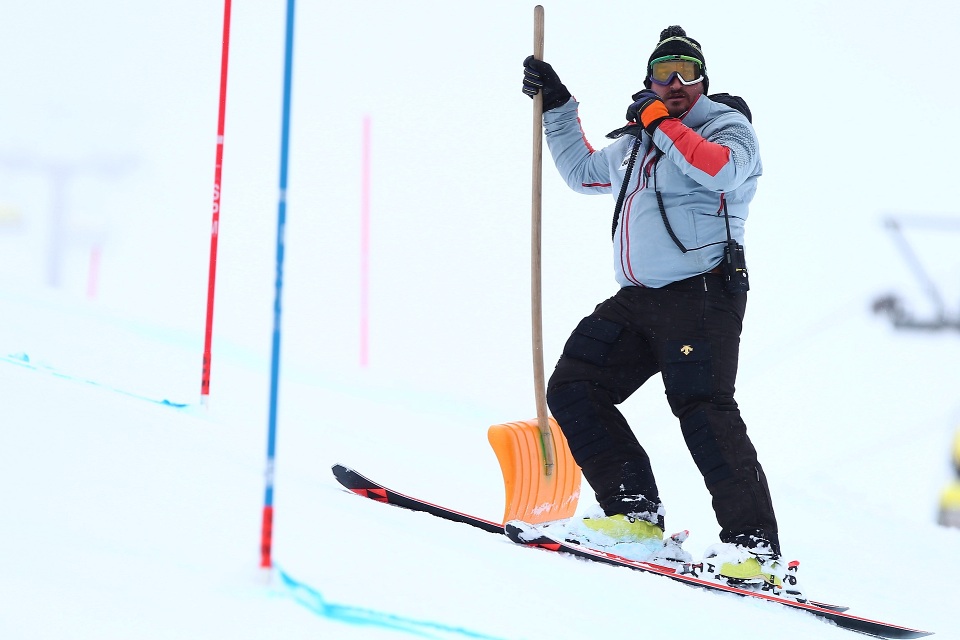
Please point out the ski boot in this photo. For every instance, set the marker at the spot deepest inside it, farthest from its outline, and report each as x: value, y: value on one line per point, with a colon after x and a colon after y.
x: 623, y: 528
x: 758, y: 568
x: 626, y: 536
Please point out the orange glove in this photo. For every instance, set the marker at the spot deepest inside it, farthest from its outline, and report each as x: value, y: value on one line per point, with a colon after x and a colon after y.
x: 647, y: 110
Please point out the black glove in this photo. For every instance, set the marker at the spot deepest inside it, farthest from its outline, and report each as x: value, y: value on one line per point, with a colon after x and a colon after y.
x: 647, y: 110
x: 537, y: 76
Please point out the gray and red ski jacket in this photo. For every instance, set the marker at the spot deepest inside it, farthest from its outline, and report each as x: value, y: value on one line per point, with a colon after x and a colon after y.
x: 708, y: 155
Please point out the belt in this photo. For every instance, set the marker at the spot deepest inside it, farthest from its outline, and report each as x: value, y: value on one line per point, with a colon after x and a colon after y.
x: 696, y: 283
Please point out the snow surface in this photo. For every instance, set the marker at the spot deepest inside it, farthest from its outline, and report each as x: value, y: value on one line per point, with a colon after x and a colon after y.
x: 131, y: 512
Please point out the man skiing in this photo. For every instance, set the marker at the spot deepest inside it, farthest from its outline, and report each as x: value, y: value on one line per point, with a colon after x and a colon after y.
x: 683, y: 172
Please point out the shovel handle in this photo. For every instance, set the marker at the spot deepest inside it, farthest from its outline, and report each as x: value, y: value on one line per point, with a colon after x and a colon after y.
x: 535, y: 254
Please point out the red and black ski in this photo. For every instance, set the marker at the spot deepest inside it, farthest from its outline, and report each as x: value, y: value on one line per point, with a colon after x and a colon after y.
x: 363, y: 486
x: 528, y: 535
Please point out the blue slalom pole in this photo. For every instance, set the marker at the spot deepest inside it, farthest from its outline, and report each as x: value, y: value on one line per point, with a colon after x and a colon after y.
x: 266, y: 537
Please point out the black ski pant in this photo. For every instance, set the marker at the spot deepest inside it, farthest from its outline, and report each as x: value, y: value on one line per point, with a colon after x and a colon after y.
x: 689, y: 332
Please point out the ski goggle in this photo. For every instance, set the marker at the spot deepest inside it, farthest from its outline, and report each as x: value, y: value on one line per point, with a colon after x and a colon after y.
x: 688, y: 70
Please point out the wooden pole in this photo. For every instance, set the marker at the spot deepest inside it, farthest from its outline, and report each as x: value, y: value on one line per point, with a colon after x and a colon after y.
x: 535, y: 258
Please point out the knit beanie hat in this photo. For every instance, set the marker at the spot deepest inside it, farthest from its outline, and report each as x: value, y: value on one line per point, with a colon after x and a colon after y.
x: 674, y: 41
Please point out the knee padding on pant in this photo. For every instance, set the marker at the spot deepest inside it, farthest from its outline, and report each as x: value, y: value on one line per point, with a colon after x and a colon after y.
x: 705, y: 449
x: 579, y: 420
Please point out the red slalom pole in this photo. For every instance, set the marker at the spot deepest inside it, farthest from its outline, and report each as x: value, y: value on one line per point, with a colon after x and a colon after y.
x: 215, y: 225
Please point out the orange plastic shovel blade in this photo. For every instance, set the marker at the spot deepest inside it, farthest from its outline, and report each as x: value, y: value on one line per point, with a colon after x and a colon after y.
x: 531, y: 494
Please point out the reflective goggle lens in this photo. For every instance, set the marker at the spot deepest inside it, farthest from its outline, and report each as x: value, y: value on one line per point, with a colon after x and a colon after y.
x: 686, y: 68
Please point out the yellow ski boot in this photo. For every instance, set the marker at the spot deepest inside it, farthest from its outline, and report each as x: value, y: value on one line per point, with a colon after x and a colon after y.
x: 753, y: 568
x: 624, y: 528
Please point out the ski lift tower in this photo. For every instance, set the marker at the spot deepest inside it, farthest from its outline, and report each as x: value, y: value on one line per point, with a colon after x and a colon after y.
x: 892, y: 305
x: 941, y: 319
x: 61, y: 174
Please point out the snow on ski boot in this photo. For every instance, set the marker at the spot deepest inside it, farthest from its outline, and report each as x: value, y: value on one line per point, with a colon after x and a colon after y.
x: 626, y: 536
x: 758, y: 567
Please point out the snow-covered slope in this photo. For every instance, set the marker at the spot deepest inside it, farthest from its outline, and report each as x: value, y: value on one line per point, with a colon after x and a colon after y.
x: 125, y: 517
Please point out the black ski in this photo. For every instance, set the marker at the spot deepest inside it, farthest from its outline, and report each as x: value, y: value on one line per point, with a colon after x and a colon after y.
x: 367, y: 488
x: 363, y: 486
x: 529, y: 535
